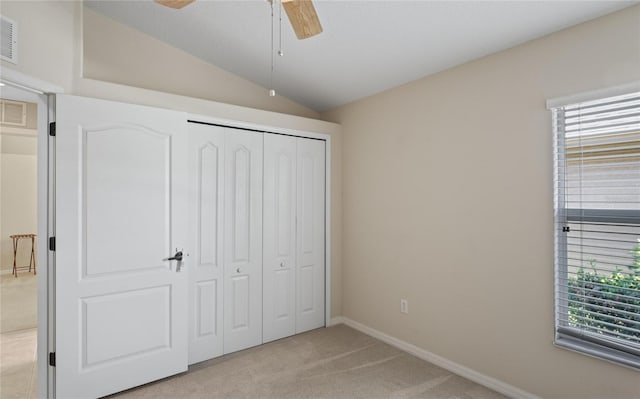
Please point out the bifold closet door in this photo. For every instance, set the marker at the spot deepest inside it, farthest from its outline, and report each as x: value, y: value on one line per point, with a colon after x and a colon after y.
x: 294, y: 234
x: 310, y: 235
x: 242, y: 239
x: 279, y: 261
x: 206, y: 210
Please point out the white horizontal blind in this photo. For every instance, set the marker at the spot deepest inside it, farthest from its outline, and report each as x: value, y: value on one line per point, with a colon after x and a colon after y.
x: 597, y: 227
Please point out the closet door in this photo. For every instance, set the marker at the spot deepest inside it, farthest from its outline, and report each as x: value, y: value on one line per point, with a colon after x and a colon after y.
x: 310, y: 241
x: 279, y: 240
x: 206, y: 198
x: 242, y: 240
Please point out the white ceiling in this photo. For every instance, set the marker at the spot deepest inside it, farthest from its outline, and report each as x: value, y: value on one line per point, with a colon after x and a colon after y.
x: 366, y: 46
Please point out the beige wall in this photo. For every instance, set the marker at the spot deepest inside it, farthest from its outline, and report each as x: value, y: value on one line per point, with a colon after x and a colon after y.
x: 50, y: 49
x: 448, y: 202
x: 116, y: 53
x: 46, y: 44
x: 18, y: 195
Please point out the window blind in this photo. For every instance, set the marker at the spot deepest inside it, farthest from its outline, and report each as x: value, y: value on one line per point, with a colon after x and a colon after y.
x: 597, y: 227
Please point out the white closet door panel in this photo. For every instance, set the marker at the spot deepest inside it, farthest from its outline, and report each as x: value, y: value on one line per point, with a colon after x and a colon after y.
x: 310, y: 271
x: 206, y: 200
x: 279, y: 236
x: 242, y: 240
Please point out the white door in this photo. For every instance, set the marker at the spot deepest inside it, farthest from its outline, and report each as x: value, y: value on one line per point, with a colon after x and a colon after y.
x: 206, y: 199
x: 279, y: 262
x: 120, y: 206
x: 310, y: 255
x: 242, y: 240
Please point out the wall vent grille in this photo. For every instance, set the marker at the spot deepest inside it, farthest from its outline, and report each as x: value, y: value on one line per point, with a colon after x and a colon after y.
x: 9, y: 40
x: 13, y: 113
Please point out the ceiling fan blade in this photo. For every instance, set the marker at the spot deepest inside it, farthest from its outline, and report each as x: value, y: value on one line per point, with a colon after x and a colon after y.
x: 175, y: 3
x: 303, y: 17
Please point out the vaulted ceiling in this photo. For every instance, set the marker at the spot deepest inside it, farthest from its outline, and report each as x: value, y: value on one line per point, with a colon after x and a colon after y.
x: 366, y: 46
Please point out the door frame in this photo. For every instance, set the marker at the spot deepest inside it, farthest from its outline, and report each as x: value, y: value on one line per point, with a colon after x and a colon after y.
x: 42, y: 93
x: 195, y: 118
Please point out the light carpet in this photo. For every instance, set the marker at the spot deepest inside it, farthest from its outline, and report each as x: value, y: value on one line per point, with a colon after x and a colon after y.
x: 18, y: 301
x: 335, y: 362
x: 18, y: 372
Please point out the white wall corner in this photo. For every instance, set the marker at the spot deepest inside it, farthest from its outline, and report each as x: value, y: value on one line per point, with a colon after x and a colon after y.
x: 334, y: 321
x: 489, y: 382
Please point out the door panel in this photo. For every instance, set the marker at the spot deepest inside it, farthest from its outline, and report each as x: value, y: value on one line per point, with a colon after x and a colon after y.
x: 310, y: 252
x: 137, y: 204
x: 279, y: 236
x: 306, y: 302
x: 120, y: 202
x: 206, y: 200
x: 241, y: 204
x: 282, y: 301
x: 241, y: 302
x: 206, y: 310
x: 126, y: 324
x: 242, y: 240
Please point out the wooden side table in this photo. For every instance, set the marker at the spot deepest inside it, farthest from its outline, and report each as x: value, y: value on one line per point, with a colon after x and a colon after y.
x: 32, y: 261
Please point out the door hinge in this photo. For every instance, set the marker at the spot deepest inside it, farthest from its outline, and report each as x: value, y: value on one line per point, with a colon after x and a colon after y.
x: 52, y: 359
x: 52, y: 243
x: 52, y: 129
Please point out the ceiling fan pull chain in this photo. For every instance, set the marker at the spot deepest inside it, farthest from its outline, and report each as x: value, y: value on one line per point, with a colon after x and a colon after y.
x: 272, y: 92
x: 280, y: 52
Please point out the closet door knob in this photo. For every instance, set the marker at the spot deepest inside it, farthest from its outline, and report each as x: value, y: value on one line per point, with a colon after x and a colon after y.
x: 282, y: 264
x: 238, y: 270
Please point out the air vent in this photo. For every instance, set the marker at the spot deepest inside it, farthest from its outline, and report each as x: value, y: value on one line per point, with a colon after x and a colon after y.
x: 14, y: 113
x: 9, y: 39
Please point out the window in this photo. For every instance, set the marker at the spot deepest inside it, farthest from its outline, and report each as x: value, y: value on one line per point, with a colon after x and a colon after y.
x: 597, y: 227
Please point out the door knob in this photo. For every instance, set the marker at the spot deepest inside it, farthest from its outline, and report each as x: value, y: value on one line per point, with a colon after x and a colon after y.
x: 238, y: 270
x: 177, y: 256
x: 282, y: 264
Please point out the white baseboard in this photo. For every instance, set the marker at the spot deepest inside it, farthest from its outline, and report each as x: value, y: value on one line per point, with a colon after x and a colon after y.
x: 489, y: 382
x: 335, y: 321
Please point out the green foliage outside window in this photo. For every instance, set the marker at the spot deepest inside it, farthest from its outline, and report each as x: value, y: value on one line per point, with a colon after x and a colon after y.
x: 608, y: 303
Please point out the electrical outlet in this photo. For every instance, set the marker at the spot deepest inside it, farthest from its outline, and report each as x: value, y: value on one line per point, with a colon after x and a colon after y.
x: 404, y: 306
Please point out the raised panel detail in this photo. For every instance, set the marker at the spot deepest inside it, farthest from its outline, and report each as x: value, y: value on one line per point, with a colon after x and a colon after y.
x: 306, y: 289
x: 307, y: 211
x: 126, y: 197
x: 206, y: 308
x: 281, y: 291
x: 208, y: 205
x: 284, y: 185
x: 310, y: 311
x: 241, y: 204
x: 241, y: 301
x: 116, y: 327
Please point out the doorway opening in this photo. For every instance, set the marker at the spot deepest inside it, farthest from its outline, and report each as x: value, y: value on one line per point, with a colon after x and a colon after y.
x: 18, y: 231
x: 25, y: 370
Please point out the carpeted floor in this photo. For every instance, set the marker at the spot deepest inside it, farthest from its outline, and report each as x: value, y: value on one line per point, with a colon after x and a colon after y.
x: 335, y: 362
x: 18, y: 336
x: 18, y: 301
x: 18, y: 373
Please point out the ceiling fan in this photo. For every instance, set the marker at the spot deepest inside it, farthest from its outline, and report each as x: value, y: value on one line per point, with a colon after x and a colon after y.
x: 302, y: 15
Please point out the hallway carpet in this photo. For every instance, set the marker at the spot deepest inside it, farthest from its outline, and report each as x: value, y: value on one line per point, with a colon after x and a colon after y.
x: 335, y: 362
x: 18, y: 302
